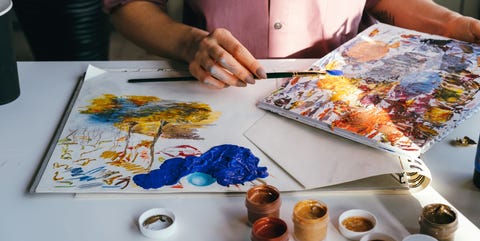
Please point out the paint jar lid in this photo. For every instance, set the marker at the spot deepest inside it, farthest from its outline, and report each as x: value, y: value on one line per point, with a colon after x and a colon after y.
x: 157, y: 223
x: 5, y: 6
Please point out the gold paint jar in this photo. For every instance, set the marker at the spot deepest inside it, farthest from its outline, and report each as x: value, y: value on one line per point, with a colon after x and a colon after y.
x: 439, y: 221
x: 310, y: 220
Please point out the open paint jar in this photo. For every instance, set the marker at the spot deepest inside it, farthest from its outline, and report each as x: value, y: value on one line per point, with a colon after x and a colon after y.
x: 269, y: 229
x: 310, y: 220
x: 439, y: 221
x: 262, y: 201
x: 356, y: 223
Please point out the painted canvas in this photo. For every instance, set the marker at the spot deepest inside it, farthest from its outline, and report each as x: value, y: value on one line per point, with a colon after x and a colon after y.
x: 120, y: 137
x: 400, y: 90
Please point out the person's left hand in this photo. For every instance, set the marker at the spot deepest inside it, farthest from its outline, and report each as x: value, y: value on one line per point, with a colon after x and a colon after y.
x: 465, y: 28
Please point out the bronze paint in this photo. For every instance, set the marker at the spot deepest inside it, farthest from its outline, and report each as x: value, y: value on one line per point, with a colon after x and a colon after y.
x: 269, y: 229
x: 262, y: 201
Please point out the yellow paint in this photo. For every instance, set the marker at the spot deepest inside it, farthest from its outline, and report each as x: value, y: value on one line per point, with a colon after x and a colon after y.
x: 342, y: 88
x: 438, y: 115
x: 56, y: 177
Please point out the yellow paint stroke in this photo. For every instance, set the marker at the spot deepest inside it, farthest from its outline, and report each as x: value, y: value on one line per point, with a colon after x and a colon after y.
x: 437, y: 115
x: 84, y: 161
x: 342, y: 88
x: 111, y: 155
x: 109, y: 102
x: 56, y: 177
x: 121, y: 160
x: 66, y: 153
x: 426, y: 129
x: 110, y: 180
x: 332, y: 65
x: 374, y: 32
x: 368, y: 50
x: 58, y: 165
x: 394, y: 45
x: 450, y: 93
x: 131, y: 167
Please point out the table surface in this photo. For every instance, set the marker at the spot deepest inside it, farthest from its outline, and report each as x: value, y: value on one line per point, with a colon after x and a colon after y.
x: 27, y: 126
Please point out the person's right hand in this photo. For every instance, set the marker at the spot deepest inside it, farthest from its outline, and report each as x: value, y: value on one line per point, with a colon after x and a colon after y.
x: 220, y: 60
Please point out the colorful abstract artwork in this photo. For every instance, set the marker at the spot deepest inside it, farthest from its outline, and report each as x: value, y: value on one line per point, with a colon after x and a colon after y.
x: 400, y: 90
x: 122, y: 142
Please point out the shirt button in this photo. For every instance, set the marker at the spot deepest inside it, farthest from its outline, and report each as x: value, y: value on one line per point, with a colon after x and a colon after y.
x: 277, y: 25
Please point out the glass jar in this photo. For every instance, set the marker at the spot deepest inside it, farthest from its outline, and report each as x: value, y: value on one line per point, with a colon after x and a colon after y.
x: 310, y: 220
x: 262, y: 201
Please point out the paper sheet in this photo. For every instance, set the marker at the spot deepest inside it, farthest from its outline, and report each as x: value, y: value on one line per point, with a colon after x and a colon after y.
x: 316, y: 158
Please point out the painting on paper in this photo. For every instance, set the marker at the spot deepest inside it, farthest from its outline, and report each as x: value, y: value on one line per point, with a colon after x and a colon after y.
x: 399, y: 90
x: 116, y: 141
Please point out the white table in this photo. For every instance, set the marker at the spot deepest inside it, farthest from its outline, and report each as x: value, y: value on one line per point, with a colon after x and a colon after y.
x: 27, y: 126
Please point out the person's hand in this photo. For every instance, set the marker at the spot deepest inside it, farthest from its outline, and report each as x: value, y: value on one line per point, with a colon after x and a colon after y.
x: 465, y: 28
x: 220, y: 60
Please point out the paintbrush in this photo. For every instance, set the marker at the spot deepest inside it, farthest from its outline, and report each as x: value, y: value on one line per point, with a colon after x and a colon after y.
x: 272, y: 75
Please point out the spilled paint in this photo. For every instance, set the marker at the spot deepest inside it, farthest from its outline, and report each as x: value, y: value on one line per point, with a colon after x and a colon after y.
x: 228, y: 164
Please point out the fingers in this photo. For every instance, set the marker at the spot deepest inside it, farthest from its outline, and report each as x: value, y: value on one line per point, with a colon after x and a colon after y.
x: 204, y: 77
x: 475, y: 30
x: 244, y: 59
x: 465, y: 29
x: 222, y: 61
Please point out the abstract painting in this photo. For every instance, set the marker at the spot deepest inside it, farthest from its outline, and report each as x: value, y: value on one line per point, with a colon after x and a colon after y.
x: 400, y: 90
x: 121, y: 137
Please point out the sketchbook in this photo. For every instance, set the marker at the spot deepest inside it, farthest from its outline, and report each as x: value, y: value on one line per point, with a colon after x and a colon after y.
x: 399, y: 90
x: 170, y: 137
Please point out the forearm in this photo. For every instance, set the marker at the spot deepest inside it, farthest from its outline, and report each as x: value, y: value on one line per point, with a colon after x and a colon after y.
x: 421, y: 15
x: 145, y: 24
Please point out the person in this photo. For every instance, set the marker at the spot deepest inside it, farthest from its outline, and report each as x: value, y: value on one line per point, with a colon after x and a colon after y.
x: 222, y: 40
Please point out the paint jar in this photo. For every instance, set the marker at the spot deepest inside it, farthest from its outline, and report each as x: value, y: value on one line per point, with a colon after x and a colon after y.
x: 439, y: 221
x: 310, y: 220
x: 262, y: 201
x: 269, y: 229
x: 353, y: 224
x: 476, y: 173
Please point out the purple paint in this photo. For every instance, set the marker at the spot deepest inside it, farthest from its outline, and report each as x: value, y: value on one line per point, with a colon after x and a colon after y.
x: 228, y: 164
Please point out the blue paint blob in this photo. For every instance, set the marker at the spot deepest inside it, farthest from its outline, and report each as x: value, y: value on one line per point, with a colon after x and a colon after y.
x: 417, y: 83
x: 228, y: 164
x: 335, y: 72
x: 200, y: 179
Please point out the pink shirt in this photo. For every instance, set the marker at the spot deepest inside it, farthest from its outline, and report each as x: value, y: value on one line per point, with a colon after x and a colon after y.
x: 281, y: 28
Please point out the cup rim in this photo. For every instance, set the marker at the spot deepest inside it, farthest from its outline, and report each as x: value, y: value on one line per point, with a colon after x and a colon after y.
x: 5, y: 6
